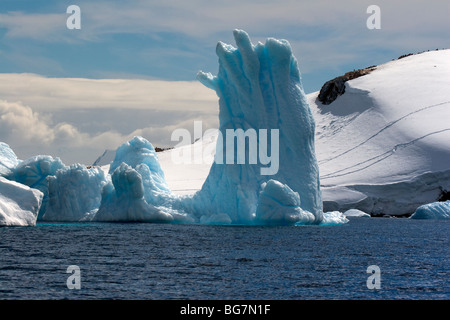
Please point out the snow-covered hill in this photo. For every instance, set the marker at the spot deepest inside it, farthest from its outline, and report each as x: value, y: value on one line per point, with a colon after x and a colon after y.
x: 187, y: 178
x: 383, y: 146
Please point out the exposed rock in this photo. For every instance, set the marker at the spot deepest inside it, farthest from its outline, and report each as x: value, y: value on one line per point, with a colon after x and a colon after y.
x: 404, y: 56
x: 336, y: 87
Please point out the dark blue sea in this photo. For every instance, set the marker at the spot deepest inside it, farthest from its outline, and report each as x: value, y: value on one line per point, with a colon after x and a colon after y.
x: 170, y: 261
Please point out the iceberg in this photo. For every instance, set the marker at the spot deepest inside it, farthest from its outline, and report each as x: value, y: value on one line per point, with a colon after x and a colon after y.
x: 434, y: 210
x: 74, y: 193
x: 19, y: 204
x: 140, y: 155
x: 333, y: 218
x: 137, y: 190
x: 33, y: 172
x: 356, y: 213
x: 279, y: 204
x: 8, y: 160
x: 123, y: 199
x: 259, y: 88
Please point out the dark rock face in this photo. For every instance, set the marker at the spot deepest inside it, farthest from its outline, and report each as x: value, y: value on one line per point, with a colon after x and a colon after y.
x: 444, y: 196
x: 332, y: 89
x: 336, y: 87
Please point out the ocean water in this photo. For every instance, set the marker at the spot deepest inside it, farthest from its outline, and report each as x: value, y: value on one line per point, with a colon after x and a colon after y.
x: 167, y: 261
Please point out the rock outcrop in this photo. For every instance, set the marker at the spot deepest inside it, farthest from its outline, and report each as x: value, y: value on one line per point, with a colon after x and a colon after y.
x: 336, y: 87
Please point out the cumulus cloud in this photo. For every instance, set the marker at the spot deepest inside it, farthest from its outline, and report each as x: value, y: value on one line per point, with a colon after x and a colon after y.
x: 24, y: 129
x: 30, y: 133
x: 20, y: 123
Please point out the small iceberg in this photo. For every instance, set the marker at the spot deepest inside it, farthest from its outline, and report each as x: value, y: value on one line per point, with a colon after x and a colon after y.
x: 434, y: 210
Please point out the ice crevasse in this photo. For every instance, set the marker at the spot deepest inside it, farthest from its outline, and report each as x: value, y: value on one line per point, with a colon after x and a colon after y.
x: 259, y: 88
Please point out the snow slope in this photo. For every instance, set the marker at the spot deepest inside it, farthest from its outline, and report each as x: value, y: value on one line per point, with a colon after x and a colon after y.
x: 188, y: 177
x: 383, y: 147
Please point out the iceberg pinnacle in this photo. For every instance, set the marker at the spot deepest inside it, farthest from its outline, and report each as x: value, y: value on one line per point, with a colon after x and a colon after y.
x: 259, y: 88
x: 123, y: 199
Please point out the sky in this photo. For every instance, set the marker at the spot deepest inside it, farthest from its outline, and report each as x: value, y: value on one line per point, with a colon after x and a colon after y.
x: 131, y: 68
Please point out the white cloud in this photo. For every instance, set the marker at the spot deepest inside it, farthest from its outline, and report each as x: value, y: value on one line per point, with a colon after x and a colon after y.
x: 31, y: 101
x: 20, y: 122
x: 30, y: 133
x: 35, y: 26
x: 203, y: 18
x: 46, y: 94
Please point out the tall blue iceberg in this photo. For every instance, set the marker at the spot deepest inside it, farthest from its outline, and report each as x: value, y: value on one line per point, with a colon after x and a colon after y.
x: 259, y: 88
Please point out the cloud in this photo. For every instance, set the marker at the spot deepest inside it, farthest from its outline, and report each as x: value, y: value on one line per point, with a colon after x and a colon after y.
x: 77, y: 119
x: 31, y: 133
x: 19, y: 121
x: 46, y: 94
x: 41, y: 26
x: 202, y: 18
